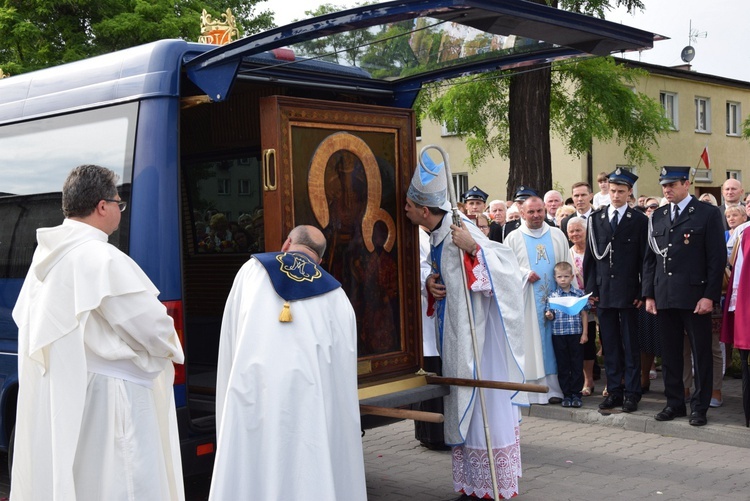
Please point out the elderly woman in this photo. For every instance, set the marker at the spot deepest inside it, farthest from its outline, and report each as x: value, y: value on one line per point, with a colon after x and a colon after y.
x: 562, y: 213
x: 577, y: 235
x: 735, y: 216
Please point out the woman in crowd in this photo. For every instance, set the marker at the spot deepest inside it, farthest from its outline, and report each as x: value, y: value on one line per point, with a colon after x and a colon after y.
x: 735, y: 216
x: 709, y: 199
x: 562, y: 213
x: 577, y: 235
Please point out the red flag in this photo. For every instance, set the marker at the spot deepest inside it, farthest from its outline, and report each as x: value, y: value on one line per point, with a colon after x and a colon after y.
x: 704, y: 157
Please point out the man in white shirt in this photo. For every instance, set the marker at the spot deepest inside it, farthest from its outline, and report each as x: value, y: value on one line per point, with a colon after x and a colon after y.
x: 581, y: 194
x: 552, y: 201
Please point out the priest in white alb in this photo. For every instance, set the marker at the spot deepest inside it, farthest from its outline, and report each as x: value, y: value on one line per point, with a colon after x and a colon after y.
x: 96, y: 413
x: 538, y: 247
x: 287, y: 412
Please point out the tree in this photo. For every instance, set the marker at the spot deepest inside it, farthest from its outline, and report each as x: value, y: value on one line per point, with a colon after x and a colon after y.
x: 341, y: 48
x: 511, y: 114
x: 35, y: 34
x: 746, y: 128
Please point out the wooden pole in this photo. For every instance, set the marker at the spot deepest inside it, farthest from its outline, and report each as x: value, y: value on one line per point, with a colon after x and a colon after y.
x: 429, y: 417
x: 485, y: 383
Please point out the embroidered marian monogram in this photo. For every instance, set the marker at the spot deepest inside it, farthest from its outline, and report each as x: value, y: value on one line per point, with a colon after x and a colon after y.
x: 541, y: 253
x: 298, y: 269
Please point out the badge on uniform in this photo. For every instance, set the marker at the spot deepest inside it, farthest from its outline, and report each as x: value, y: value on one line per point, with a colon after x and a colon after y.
x: 687, y: 238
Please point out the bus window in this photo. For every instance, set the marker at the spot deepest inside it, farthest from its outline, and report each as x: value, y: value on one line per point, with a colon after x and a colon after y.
x: 38, y: 156
x: 226, y: 206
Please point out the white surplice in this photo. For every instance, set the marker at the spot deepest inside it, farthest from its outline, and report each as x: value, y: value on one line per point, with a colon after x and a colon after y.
x: 96, y: 412
x: 534, y: 368
x: 287, y: 411
x: 497, y: 308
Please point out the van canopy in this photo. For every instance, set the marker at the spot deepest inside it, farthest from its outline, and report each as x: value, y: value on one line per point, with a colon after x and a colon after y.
x: 400, y: 45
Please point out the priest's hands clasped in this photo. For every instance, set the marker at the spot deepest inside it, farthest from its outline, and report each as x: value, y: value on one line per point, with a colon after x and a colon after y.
x: 437, y: 290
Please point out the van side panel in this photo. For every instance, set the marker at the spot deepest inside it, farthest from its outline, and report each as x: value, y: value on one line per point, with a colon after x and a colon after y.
x: 155, y: 227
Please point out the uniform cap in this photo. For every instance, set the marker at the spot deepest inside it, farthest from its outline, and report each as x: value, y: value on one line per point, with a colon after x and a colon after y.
x: 622, y: 176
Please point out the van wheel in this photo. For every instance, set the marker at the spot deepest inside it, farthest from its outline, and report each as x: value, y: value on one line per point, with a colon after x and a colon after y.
x: 11, y: 446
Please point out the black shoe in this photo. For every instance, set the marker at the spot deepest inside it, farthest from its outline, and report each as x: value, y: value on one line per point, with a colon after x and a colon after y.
x: 698, y: 418
x: 629, y: 404
x: 611, y: 402
x: 669, y: 413
x: 555, y: 400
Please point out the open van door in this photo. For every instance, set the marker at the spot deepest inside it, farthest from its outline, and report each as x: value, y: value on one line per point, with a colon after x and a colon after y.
x: 345, y: 166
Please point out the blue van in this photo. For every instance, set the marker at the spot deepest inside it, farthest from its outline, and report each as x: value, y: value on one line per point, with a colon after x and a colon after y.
x: 221, y: 150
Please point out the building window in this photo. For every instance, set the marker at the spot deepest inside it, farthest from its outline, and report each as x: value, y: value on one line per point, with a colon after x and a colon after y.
x: 224, y: 186
x: 668, y: 101
x: 734, y: 174
x: 702, y: 114
x: 447, y: 130
x: 734, y: 118
x: 243, y: 186
x: 461, y: 183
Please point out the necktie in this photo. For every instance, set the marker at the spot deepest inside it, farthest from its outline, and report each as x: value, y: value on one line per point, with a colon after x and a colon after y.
x: 676, y: 213
x: 613, y: 221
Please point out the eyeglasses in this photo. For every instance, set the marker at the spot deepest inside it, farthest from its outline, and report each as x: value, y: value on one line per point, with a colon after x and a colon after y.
x: 652, y: 206
x: 121, y: 204
x: 484, y: 228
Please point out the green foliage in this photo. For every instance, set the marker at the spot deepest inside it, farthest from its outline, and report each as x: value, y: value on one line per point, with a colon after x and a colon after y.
x: 595, y: 99
x: 347, y: 47
x: 746, y: 128
x: 591, y: 99
x: 35, y: 34
x: 599, y: 8
x: 476, y: 108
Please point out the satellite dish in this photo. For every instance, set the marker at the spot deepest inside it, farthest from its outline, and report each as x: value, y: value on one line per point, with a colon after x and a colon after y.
x: 688, y: 53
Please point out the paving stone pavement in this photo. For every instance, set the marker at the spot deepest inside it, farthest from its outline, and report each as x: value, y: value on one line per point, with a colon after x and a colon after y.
x: 726, y: 424
x: 567, y: 460
x: 571, y: 454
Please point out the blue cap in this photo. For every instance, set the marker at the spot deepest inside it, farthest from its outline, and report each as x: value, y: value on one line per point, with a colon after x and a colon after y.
x: 622, y: 176
x: 524, y: 192
x: 670, y: 174
x: 475, y: 194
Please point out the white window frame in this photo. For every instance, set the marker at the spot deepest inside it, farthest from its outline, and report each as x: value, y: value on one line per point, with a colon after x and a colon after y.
x: 670, y: 103
x: 735, y: 174
x: 223, y: 186
x: 461, y: 184
x: 444, y: 129
x: 702, y: 114
x: 244, y: 187
x: 734, y: 118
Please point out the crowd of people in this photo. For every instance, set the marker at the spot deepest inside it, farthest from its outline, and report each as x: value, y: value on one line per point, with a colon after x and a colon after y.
x: 617, y: 246
x: 96, y: 347
x: 645, y: 274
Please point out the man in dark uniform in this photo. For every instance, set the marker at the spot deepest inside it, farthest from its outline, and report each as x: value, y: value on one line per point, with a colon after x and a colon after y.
x: 475, y: 200
x: 682, y: 281
x: 613, y: 265
x: 498, y: 233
